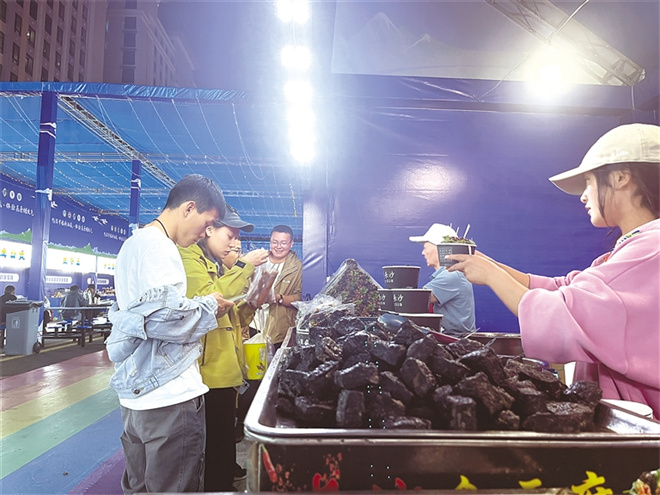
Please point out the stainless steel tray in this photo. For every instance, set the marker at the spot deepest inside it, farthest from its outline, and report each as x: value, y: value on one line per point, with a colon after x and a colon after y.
x: 624, y: 445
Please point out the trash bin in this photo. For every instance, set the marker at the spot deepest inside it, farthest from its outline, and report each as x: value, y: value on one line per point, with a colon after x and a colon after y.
x: 22, y: 327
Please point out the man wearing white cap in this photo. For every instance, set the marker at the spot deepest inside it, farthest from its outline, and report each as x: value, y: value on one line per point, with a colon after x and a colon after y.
x: 452, y: 294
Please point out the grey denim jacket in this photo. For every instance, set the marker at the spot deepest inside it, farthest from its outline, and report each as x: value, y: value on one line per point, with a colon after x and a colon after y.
x: 156, y: 338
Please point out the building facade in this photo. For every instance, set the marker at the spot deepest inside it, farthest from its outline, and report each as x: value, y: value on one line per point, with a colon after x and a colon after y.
x: 116, y: 41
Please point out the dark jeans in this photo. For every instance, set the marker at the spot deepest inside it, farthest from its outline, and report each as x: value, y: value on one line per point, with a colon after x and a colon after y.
x: 164, y: 448
x: 220, y: 444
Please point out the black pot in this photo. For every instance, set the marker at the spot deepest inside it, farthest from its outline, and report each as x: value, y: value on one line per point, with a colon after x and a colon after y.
x: 401, y: 277
x: 453, y: 248
x: 385, y: 299
x: 411, y: 300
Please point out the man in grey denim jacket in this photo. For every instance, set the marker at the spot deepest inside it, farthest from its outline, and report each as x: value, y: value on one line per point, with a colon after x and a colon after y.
x: 155, y: 343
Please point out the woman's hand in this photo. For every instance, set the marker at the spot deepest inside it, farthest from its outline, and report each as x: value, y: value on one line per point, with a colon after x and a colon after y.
x: 256, y: 257
x: 477, y: 268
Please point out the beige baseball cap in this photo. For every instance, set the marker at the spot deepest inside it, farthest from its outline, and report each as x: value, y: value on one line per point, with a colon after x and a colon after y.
x: 629, y: 143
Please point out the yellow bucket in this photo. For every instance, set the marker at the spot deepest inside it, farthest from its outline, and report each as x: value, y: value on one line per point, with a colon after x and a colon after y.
x: 255, y: 360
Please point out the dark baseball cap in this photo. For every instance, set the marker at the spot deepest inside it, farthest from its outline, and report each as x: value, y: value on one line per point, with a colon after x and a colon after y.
x: 233, y: 220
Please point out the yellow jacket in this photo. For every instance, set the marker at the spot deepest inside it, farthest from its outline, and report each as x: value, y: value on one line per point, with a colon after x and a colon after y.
x: 222, y: 363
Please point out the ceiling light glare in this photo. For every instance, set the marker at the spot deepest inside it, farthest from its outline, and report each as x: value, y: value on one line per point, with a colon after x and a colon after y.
x: 300, y: 116
x: 296, y: 57
x: 298, y: 92
x: 303, y: 152
x: 302, y: 136
x: 293, y: 10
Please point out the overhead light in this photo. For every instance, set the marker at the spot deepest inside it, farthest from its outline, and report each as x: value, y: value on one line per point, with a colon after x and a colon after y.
x: 303, y: 152
x: 298, y: 91
x: 300, y: 116
x: 293, y: 10
x: 296, y: 57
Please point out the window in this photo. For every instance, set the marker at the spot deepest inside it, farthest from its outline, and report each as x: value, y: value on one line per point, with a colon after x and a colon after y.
x: 13, y: 77
x: 15, y: 53
x: 3, y: 11
x: 29, y: 64
x: 129, y: 40
x: 18, y: 24
x: 58, y: 60
x: 128, y: 58
x: 72, y: 48
x: 34, y: 8
x: 82, y: 59
x: 74, y: 25
x: 31, y: 36
x: 85, y: 11
x: 60, y: 35
x: 83, y: 35
x: 130, y: 22
x: 131, y: 4
x: 2, y: 42
x: 44, y: 74
x: 48, y: 25
x: 46, y: 50
x: 69, y: 73
x: 61, y: 11
x: 128, y: 75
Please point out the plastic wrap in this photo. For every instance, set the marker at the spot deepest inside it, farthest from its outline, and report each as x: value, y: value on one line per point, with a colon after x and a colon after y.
x: 261, y: 288
x: 352, y: 284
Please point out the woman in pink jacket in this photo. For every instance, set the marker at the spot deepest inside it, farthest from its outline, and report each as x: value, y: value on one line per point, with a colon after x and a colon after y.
x: 606, y: 317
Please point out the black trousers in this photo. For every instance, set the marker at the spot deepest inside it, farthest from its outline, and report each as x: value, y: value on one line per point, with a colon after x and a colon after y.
x: 220, y: 444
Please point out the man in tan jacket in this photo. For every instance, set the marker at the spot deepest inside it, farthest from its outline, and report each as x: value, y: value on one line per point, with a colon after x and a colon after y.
x: 288, y: 285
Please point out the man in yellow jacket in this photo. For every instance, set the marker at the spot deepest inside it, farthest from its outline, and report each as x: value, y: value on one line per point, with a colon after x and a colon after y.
x: 222, y: 364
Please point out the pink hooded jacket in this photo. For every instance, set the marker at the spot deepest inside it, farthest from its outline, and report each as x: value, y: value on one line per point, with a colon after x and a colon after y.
x: 607, y: 315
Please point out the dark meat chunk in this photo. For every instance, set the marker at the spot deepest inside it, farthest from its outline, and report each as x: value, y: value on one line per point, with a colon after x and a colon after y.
x: 485, y: 360
x: 420, y: 409
x: 357, y: 343
x: 292, y: 358
x: 584, y: 392
x: 286, y: 407
x: 321, y: 381
x: 507, y: 420
x: 490, y: 398
x: 463, y: 346
x: 375, y: 329
x: 350, y: 409
x: 440, y: 393
x: 380, y: 405
x: 327, y: 349
x: 326, y: 318
x: 316, y: 334
x: 447, y: 370
x: 389, y: 382
x: 308, y: 359
x: 349, y: 324
x: 357, y: 376
x: 407, y: 334
x: 292, y: 383
x: 561, y: 417
x: 543, y: 380
x: 315, y: 413
x: 392, y: 354
x: 458, y: 413
x: 407, y: 423
x: 528, y: 400
x: 423, y: 348
x: 417, y: 376
x: 363, y: 357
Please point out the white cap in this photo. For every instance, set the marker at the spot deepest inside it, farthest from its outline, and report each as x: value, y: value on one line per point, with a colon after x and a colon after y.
x: 435, y: 234
x: 630, y: 143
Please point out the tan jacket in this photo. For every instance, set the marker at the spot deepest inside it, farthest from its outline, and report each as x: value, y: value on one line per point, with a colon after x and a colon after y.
x: 289, y: 282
